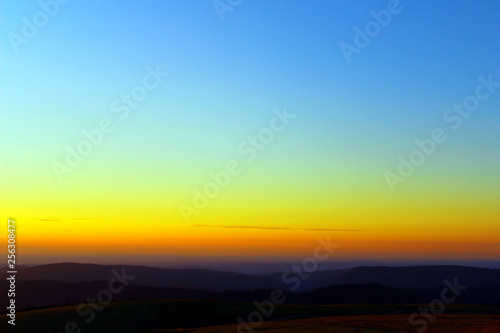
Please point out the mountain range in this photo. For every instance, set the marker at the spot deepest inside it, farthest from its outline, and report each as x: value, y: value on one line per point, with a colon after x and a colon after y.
x: 72, y: 283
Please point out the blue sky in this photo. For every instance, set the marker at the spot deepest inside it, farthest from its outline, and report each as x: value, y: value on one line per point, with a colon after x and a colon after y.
x: 264, y: 54
x: 227, y: 76
x: 326, y: 170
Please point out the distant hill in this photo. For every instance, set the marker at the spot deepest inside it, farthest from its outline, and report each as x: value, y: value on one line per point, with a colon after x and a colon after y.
x: 200, y: 279
x: 203, y: 279
x: 340, y: 294
x: 414, y: 277
x: 315, y: 280
x: 44, y: 293
x: 68, y: 283
x: 419, y: 276
x: 363, y: 294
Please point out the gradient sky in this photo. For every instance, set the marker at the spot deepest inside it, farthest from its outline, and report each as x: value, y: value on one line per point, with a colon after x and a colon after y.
x: 324, y: 171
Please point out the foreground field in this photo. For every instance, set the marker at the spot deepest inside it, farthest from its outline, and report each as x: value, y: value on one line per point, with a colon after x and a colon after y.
x: 374, y: 324
x: 209, y: 316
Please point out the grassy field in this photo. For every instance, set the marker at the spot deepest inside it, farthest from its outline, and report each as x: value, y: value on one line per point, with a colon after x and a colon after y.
x: 389, y: 323
x: 208, y: 316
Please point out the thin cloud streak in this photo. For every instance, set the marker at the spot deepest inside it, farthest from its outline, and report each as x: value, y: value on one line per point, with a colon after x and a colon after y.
x: 65, y: 219
x: 270, y: 228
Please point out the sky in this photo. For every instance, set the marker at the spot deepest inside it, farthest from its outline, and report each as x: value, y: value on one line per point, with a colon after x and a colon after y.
x: 209, y: 78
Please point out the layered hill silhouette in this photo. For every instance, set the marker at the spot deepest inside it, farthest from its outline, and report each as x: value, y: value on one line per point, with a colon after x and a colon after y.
x: 200, y: 279
x: 71, y: 283
x: 363, y: 294
x: 420, y: 276
x: 45, y: 293
x: 415, y: 277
